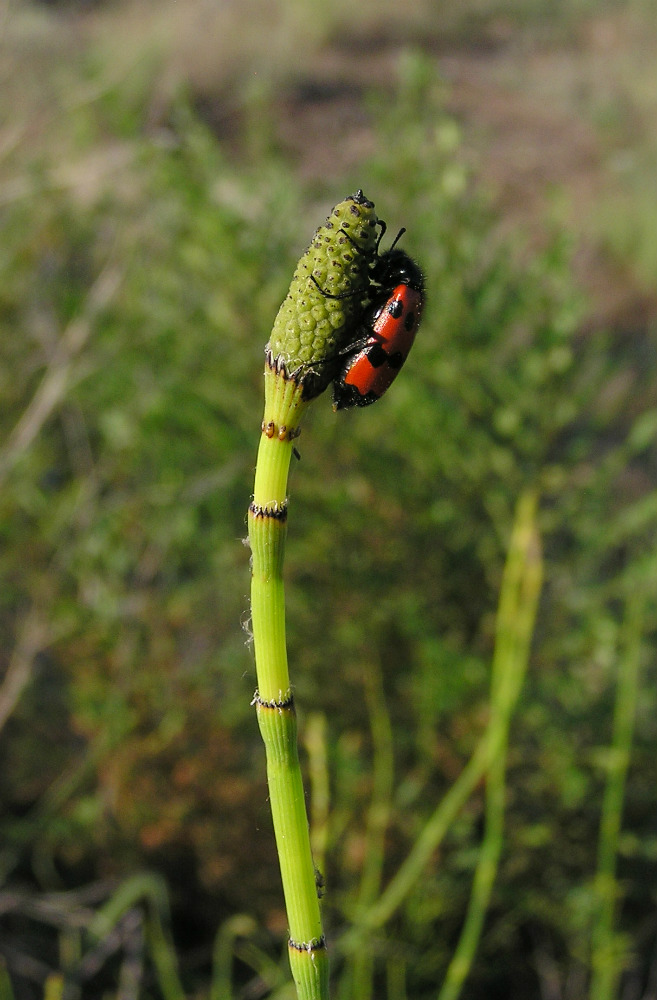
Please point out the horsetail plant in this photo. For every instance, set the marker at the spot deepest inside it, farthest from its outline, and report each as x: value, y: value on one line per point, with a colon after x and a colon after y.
x: 314, y: 327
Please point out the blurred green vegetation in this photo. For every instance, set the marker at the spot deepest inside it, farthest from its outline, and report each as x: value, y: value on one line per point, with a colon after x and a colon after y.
x: 141, y: 266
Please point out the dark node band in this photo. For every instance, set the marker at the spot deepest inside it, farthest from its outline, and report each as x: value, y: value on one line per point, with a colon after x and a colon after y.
x: 317, y: 944
x: 275, y: 364
x: 278, y: 366
x: 278, y: 512
x: 285, y: 704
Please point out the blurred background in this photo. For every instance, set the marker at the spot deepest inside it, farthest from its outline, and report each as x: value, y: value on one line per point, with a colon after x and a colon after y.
x: 162, y: 166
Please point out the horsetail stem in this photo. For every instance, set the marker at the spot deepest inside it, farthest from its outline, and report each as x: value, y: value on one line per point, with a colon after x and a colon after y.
x: 314, y: 323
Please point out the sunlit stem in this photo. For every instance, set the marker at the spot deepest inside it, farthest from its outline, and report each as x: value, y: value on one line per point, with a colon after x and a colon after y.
x: 274, y: 703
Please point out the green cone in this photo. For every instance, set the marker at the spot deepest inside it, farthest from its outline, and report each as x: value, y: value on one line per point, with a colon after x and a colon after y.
x: 313, y: 325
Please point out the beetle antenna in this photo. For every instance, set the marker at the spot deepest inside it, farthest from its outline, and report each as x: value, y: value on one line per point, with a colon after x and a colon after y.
x: 397, y: 238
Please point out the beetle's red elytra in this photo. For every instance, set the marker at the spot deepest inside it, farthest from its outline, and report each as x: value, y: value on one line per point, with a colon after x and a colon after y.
x: 388, y: 332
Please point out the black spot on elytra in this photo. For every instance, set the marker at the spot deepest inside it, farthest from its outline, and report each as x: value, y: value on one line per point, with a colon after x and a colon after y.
x: 377, y: 356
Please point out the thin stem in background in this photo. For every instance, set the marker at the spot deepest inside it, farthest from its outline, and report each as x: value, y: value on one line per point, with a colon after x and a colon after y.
x: 35, y: 634
x: 378, y: 816
x: 61, y: 372
x: 522, y: 577
x: 315, y: 743
x: 607, y: 956
x: 382, y: 784
x: 233, y: 940
x: 150, y: 891
x: 521, y: 587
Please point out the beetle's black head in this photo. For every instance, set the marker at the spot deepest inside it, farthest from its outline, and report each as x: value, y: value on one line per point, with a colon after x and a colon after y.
x: 395, y: 267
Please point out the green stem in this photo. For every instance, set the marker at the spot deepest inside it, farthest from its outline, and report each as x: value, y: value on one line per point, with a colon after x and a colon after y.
x: 607, y: 957
x: 284, y: 407
x: 318, y: 317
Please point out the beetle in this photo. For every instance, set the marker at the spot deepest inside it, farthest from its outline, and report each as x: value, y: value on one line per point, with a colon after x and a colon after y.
x: 388, y: 329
